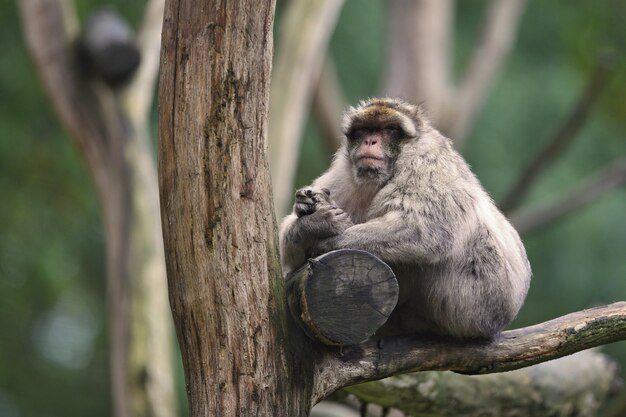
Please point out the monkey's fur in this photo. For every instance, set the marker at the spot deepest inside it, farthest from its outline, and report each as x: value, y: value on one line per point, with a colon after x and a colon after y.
x: 398, y: 189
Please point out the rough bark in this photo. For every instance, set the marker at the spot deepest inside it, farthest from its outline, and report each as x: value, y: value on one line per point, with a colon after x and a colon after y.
x: 113, y: 138
x: 575, y: 386
x: 226, y: 289
x: 306, y: 30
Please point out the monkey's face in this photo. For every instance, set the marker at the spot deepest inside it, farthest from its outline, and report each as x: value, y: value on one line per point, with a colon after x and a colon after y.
x: 375, y: 136
x: 373, y: 151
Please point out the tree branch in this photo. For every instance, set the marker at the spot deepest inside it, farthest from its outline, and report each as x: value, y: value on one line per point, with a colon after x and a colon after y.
x: 328, y: 105
x: 499, y: 32
x: 419, y: 52
x: 529, y: 219
x: 578, y: 385
x: 306, y: 29
x: 514, y: 349
x: 139, y: 94
x: 51, y: 28
x: 564, y: 136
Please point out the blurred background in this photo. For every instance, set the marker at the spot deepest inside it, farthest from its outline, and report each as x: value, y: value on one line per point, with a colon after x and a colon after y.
x: 54, y: 342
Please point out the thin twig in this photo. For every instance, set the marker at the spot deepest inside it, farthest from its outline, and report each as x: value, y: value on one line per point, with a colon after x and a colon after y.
x: 499, y: 32
x: 563, y: 138
x: 529, y: 219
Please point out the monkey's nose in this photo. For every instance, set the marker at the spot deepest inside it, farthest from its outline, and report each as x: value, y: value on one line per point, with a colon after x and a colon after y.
x: 371, y: 140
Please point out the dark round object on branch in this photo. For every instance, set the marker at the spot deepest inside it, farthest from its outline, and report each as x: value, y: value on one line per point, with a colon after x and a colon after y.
x: 342, y: 297
x: 107, y: 47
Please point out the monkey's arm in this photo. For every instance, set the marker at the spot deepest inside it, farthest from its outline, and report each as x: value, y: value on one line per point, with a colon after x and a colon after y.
x: 292, y: 253
x: 397, y: 237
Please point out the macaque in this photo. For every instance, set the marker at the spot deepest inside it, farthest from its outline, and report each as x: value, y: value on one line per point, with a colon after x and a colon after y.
x: 397, y: 189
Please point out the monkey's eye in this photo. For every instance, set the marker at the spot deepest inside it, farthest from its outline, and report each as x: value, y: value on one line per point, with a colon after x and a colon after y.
x: 357, y: 133
x: 394, y: 131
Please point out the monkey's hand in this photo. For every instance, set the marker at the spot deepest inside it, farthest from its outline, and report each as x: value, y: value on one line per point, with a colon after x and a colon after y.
x: 324, y: 222
x: 309, y: 200
x: 315, y: 218
x: 300, y: 236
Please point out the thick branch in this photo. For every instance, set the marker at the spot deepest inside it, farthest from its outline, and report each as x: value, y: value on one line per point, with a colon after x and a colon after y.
x: 419, y: 52
x: 514, y: 349
x: 499, y: 31
x: 578, y: 386
x: 306, y: 30
x: 563, y: 138
x: 529, y: 219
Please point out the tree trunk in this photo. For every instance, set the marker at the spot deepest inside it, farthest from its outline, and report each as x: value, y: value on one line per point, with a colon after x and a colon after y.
x: 226, y: 288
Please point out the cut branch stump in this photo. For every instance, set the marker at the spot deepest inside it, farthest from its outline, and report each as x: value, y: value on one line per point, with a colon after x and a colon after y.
x: 342, y: 297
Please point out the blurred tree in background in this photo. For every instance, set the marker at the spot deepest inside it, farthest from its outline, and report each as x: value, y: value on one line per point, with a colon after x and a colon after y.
x: 53, y: 339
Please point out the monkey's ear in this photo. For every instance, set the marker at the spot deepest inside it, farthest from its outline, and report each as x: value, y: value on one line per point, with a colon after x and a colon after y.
x: 346, y: 122
x: 420, y: 113
x: 421, y: 109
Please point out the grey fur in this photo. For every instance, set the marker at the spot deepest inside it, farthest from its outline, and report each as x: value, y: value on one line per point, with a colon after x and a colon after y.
x: 461, y: 266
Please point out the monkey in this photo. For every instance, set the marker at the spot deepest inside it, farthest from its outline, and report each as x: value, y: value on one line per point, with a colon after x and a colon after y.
x: 398, y: 189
